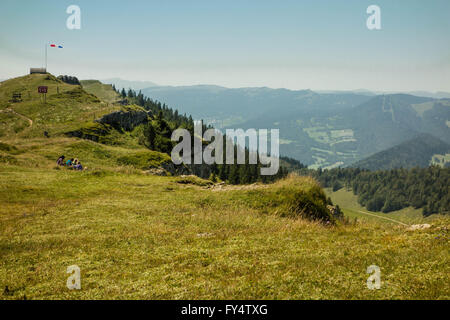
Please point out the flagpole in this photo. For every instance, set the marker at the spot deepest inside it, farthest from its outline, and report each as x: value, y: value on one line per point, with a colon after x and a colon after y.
x: 46, y: 45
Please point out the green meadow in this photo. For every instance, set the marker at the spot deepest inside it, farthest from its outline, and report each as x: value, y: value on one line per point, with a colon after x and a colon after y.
x: 352, y: 209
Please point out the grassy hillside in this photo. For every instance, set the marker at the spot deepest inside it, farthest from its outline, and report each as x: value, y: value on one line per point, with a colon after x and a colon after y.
x: 67, y: 107
x: 104, y: 92
x: 136, y: 235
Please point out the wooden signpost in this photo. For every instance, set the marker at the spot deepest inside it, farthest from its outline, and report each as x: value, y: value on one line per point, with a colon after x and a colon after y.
x: 43, y: 90
x: 16, y: 97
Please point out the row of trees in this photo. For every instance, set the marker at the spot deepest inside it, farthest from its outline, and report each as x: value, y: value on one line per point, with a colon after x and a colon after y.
x: 390, y: 190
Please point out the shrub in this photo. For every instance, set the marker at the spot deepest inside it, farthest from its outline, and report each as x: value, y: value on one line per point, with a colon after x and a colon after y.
x: 294, y: 196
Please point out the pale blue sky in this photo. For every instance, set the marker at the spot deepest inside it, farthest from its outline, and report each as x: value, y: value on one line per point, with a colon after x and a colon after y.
x: 294, y: 44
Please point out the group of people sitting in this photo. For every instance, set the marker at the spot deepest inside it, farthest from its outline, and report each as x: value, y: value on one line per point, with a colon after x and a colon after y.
x: 71, y: 163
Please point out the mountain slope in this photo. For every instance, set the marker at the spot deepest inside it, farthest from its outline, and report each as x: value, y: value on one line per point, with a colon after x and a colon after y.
x: 388, y: 120
x: 417, y: 152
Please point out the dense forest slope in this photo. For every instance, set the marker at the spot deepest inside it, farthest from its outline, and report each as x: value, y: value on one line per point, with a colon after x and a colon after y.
x: 391, y: 190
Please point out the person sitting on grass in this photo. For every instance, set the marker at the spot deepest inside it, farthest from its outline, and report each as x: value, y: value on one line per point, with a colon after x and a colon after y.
x: 78, y: 166
x: 60, y: 161
x: 69, y: 162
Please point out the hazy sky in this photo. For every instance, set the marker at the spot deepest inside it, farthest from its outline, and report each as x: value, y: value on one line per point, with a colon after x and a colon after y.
x: 298, y: 44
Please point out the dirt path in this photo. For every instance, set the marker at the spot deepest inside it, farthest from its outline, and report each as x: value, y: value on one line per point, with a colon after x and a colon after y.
x: 385, y: 218
x: 19, y: 115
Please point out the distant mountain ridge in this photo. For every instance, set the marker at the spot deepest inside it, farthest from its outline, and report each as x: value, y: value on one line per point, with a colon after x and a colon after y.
x: 417, y: 152
x: 238, y: 105
x: 427, y: 94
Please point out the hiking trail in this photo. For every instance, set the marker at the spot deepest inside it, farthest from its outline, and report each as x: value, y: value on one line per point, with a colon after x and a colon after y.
x: 30, y: 121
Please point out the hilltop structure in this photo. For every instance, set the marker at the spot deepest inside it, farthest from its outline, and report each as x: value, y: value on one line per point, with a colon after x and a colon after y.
x: 38, y: 70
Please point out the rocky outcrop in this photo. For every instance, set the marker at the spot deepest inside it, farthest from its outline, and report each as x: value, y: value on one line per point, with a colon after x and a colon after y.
x: 156, y: 172
x: 96, y: 132
x: 419, y: 227
x: 125, y: 120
